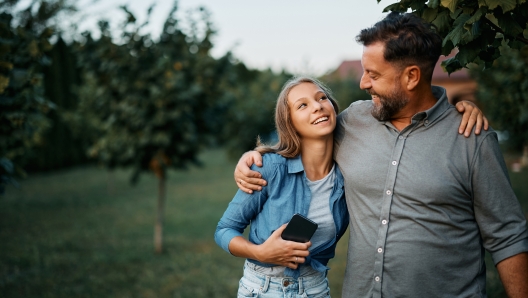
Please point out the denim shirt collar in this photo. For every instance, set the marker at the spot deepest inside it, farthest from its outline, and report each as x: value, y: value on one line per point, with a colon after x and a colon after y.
x: 295, y: 164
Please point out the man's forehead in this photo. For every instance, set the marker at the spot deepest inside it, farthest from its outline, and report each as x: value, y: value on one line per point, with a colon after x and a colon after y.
x: 373, y: 59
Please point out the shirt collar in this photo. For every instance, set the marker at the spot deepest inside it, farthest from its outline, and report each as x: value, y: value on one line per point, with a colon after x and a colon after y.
x: 295, y: 164
x: 429, y: 116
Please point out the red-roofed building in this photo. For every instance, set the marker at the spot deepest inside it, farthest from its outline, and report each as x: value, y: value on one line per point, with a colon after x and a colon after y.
x: 459, y: 85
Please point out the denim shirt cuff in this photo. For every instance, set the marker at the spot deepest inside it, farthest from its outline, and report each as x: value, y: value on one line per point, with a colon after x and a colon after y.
x: 227, y: 237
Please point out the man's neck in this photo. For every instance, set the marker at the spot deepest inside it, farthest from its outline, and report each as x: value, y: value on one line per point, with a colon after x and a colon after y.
x: 419, y: 102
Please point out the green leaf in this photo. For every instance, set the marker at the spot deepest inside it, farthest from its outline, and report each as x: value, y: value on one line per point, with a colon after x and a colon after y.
x: 456, y: 13
x: 395, y: 7
x: 515, y: 44
x: 430, y: 14
x: 475, y: 29
x: 447, y: 48
x: 451, y: 65
x: 509, y: 25
x: 443, y: 21
x: 492, y: 4
x: 416, y: 5
x: 433, y: 3
x: 507, y: 5
x: 451, y: 4
x: 482, y: 3
x: 4, y: 82
x: 492, y: 18
x: 458, y: 30
x: 468, y: 53
x: 477, y: 16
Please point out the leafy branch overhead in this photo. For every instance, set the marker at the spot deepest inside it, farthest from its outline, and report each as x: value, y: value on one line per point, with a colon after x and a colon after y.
x: 480, y: 29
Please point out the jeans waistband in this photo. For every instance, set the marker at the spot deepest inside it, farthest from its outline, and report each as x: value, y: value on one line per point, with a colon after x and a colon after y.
x: 278, y: 271
x: 279, y: 283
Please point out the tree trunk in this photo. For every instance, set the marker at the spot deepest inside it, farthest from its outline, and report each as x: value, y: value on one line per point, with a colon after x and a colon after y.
x: 524, y: 158
x: 110, y: 182
x: 158, y: 228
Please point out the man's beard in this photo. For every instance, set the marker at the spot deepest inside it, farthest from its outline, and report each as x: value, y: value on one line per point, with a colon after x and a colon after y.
x: 390, y: 104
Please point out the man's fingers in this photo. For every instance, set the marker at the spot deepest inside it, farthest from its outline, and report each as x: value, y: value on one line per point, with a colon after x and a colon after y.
x: 256, y: 181
x: 252, y: 183
x: 243, y: 188
x: 244, y: 172
x: 486, y: 124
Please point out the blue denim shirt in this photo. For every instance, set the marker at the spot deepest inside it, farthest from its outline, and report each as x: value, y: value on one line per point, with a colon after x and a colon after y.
x: 286, y: 193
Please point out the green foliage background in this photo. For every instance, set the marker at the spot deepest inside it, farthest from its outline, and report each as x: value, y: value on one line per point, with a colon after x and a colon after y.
x: 150, y: 103
x: 503, y: 94
x: 23, y: 107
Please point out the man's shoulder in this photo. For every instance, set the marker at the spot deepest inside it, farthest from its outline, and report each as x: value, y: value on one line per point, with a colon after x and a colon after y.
x: 453, y: 118
x: 357, y: 110
x: 360, y: 105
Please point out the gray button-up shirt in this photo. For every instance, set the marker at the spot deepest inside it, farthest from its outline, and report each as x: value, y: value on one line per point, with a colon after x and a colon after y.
x: 424, y: 203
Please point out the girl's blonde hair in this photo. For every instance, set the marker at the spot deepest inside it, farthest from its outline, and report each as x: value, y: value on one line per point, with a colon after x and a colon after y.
x: 289, y: 143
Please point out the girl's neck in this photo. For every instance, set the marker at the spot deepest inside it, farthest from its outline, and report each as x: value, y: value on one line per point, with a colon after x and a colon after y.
x: 317, y: 158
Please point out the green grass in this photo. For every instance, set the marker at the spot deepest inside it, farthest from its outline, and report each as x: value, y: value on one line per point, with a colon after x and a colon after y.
x: 87, y: 233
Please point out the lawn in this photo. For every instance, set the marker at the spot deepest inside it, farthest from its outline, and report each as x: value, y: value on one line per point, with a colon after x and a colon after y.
x: 86, y: 232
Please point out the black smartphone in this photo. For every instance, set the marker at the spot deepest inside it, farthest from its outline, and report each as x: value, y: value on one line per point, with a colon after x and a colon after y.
x: 299, y: 229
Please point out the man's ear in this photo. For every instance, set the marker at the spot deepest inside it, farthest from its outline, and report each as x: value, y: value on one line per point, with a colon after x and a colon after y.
x: 411, y: 77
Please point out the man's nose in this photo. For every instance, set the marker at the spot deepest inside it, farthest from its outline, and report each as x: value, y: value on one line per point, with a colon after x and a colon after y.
x: 364, y: 83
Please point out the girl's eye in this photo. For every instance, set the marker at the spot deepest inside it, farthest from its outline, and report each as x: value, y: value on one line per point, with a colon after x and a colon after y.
x: 324, y: 97
x: 302, y: 105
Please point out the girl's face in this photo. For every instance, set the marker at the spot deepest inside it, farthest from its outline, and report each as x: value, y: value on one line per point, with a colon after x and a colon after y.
x: 312, y: 113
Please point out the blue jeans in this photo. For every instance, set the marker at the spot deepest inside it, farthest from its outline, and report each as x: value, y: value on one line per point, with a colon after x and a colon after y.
x: 255, y: 284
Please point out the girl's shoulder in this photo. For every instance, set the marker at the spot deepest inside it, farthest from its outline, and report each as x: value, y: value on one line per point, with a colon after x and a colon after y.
x: 271, y: 163
x: 274, y: 158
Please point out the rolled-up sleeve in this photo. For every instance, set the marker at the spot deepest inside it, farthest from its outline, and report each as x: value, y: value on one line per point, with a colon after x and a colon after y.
x: 498, y: 213
x: 243, y: 209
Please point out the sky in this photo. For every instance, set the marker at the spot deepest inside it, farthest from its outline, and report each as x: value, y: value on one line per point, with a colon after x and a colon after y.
x: 303, y: 37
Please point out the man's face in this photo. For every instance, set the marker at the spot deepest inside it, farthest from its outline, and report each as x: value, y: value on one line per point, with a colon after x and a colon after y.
x: 382, y: 81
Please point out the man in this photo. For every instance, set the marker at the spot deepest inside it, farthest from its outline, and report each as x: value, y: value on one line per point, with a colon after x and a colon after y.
x: 424, y: 203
